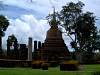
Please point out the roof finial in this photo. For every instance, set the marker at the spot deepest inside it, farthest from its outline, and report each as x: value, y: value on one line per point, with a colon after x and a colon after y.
x: 54, y: 13
x: 54, y: 21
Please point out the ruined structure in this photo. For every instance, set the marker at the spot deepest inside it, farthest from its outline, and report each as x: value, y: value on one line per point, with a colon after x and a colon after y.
x: 12, y: 42
x: 30, y: 49
x: 17, y: 51
x: 54, y: 48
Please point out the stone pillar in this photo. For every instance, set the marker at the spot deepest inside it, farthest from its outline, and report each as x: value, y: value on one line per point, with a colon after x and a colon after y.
x: 30, y: 49
x: 39, y: 44
x: 8, y: 47
x: 23, y: 52
x: 35, y: 50
x: 16, y: 48
x: 42, y: 44
x: 35, y: 45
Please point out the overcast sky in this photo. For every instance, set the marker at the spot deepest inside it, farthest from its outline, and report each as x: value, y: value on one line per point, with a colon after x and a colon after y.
x: 27, y: 17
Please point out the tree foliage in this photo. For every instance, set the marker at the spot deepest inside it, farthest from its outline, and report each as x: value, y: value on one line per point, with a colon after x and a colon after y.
x: 12, y: 39
x: 53, y: 19
x: 80, y: 25
x: 4, y: 23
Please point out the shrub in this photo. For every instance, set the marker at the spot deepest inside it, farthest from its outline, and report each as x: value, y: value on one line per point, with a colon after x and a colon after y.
x: 53, y: 63
x: 36, y: 64
x: 44, y: 66
x: 69, y: 65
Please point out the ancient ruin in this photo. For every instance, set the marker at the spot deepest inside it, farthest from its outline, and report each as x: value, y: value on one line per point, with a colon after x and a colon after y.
x: 54, y: 48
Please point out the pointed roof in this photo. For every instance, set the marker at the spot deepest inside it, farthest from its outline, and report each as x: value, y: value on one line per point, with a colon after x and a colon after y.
x: 54, y: 21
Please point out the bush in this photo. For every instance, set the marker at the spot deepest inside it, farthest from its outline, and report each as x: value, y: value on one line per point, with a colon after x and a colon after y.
x: 53, y: 63
x: 69, y: 65
x: 36, y: 64
x: 44, y: 66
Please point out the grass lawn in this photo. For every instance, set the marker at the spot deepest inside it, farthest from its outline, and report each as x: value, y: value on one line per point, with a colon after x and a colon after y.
x: 87, y: 70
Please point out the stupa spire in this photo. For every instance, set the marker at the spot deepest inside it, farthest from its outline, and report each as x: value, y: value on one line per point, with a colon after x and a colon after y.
x: 54, y: 13
x: 54, y: 48
x: 53, y: 18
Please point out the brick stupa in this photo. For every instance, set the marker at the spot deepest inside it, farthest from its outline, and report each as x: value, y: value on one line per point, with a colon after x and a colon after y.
x: 54, y: 48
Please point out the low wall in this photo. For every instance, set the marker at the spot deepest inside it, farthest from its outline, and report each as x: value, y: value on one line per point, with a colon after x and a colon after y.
x: 14, y: 63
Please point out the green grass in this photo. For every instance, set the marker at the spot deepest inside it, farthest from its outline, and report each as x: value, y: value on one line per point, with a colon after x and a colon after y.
x: 87, y: 70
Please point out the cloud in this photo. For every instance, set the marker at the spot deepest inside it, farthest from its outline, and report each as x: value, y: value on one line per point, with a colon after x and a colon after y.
x: 45, y: 6
x: 92, y: 6
x: 27, y: 26
x: 38, y: 6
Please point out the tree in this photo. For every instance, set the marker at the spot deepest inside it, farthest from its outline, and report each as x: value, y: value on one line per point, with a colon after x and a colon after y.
x: 4, y: 23
x: 86, y: 32
x: 68, y: 17
x: 12, y: 41
x: 80, y: 25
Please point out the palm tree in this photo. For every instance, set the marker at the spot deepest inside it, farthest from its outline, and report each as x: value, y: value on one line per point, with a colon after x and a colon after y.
x: 4, y: 23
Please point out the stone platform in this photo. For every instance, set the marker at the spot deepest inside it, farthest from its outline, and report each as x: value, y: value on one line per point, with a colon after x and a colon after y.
x: 54, y: 48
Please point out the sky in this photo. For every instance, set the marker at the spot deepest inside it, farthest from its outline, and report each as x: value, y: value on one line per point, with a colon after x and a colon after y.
x: 27, y: 17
